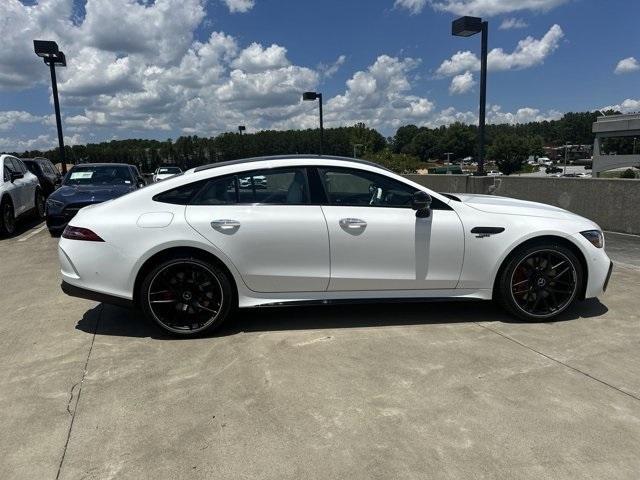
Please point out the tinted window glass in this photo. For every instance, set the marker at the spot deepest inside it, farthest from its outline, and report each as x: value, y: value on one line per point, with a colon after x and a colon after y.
x: 282, y: 186
x: 99, y: 175
x: 180, y: 195
x: 11, y: 165
x: 362, y: 188
x: 32, y: 167
x: 218, y: 191
x: 21, y: 167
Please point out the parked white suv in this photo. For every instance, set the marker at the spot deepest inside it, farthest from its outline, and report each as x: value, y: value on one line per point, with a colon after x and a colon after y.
x: 20, y: 193
x: 162, y: 173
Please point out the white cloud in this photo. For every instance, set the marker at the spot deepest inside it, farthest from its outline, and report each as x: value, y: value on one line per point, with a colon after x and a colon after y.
x: 380, y: 96
x: 512, y: 23
x: 329, y: 71
x: 627, y: 65
x: 414, y: 6
x: 9, y: 118
x: 462, y: 83
x: 627, y: 106
x: 522, y: 115
x: 239, y: 6
x: 528, y: 53
x: 487, y: 8
x: 21, y: 144
x: 255, y: 58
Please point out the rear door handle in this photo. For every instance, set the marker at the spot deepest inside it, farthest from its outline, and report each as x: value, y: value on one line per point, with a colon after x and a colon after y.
x: 352, y: 223
x: 225, y: 224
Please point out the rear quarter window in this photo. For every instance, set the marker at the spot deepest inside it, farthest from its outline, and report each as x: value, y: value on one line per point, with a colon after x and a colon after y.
x: 181, y: 195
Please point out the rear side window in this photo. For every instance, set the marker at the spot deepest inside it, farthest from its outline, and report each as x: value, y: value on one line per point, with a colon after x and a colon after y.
x: 278, y: 186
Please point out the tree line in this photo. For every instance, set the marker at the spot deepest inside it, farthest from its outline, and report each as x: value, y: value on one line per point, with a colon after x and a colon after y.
x: 407, y: 151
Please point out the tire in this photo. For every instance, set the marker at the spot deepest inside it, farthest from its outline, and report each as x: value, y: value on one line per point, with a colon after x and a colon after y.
x: 7, y: 218
x: 39, y: 204
x: 186, y: 296
x: 540, y: 281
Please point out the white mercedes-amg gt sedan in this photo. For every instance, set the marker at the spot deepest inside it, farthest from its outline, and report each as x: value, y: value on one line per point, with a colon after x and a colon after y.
x: 190, y: 250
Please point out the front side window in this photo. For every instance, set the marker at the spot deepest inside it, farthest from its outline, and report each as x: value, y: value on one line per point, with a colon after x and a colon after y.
x: 350, y: 187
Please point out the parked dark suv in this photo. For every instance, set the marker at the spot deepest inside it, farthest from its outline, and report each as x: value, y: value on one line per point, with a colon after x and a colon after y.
x: 48, y: 175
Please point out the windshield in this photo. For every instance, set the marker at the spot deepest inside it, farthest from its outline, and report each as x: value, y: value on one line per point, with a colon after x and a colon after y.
x: 99, y: 175
x: 169, y: 170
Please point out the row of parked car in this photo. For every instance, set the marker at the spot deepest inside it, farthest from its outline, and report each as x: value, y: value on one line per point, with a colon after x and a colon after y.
x: 35, y: 187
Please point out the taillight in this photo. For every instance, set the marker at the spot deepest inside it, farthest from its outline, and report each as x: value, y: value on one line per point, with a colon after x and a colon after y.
x: 79, y: 233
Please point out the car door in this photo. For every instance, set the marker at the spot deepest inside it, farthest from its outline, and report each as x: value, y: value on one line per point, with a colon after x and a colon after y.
x: 378, y: 242
x: 20, y: 186
x: 29, y: 184
x: 264, y: 223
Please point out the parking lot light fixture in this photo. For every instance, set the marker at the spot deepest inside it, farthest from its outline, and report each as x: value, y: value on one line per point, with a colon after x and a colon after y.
x: 311, y: 96
x: 466, y: 27
x: 52, y: 56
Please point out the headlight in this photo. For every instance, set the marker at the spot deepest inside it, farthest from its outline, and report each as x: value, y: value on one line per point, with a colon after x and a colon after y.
x: 595, y: 237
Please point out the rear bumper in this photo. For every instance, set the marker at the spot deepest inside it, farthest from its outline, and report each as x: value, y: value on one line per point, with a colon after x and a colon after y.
x: 79, y: 292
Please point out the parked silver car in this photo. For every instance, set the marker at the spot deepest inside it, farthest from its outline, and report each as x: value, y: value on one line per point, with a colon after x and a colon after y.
x: 20, y: 193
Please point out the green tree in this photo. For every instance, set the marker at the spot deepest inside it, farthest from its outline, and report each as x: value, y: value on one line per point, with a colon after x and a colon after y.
x: 509, y: 151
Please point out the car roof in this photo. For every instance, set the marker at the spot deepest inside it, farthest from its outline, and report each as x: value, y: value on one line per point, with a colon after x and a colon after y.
x: 35, y: 159
x: 287, y: 157
x: 102, y: 165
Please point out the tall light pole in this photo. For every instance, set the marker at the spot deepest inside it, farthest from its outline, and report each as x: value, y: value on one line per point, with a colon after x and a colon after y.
x: 52, y: 56
x: 355, y: 146
x: 466, y: 27
x: 309, y: 96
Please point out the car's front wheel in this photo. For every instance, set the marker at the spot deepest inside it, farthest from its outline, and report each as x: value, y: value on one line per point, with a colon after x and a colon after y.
x: 186, y: 296
x: 39, y: 204
x: 540, y: 281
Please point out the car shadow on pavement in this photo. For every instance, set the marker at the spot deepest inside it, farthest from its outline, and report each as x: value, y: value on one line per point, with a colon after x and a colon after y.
x: 115, y: 321
x: 23, y: 225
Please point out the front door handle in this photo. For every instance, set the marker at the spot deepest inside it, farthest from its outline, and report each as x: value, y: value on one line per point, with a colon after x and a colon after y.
x: 352, y: 223
x: 225, y: 224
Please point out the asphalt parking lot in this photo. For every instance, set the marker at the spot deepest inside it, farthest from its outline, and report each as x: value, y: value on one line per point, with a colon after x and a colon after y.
x: 430, y: 390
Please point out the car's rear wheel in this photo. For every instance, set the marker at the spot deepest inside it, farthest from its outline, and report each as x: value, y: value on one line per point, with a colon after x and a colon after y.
x: 186, y: 296
x: 540, y: 282
x: 7, y: 218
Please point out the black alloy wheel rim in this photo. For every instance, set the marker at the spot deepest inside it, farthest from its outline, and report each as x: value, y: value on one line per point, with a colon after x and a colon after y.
x: 8, y: 218
x: 185, y: 297
x: 544, y: 283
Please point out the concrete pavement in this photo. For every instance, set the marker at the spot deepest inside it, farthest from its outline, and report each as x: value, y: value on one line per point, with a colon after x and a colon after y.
x: 432, y: 390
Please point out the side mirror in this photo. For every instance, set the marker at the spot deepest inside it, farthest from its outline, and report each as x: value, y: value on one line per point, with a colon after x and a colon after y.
x: 16, y: 175
x: 141, y: 183
x: 421, y: 203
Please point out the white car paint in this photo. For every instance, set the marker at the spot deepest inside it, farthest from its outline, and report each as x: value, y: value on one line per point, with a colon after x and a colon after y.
x: 21, y: 191
x: 283, y: 253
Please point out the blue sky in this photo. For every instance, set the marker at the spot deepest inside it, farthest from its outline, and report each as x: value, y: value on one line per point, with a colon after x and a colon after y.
x: 170, y: 67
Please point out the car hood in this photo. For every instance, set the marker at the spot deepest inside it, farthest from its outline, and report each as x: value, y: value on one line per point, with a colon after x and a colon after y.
x: 90, y: 193
x: 512, y: 206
